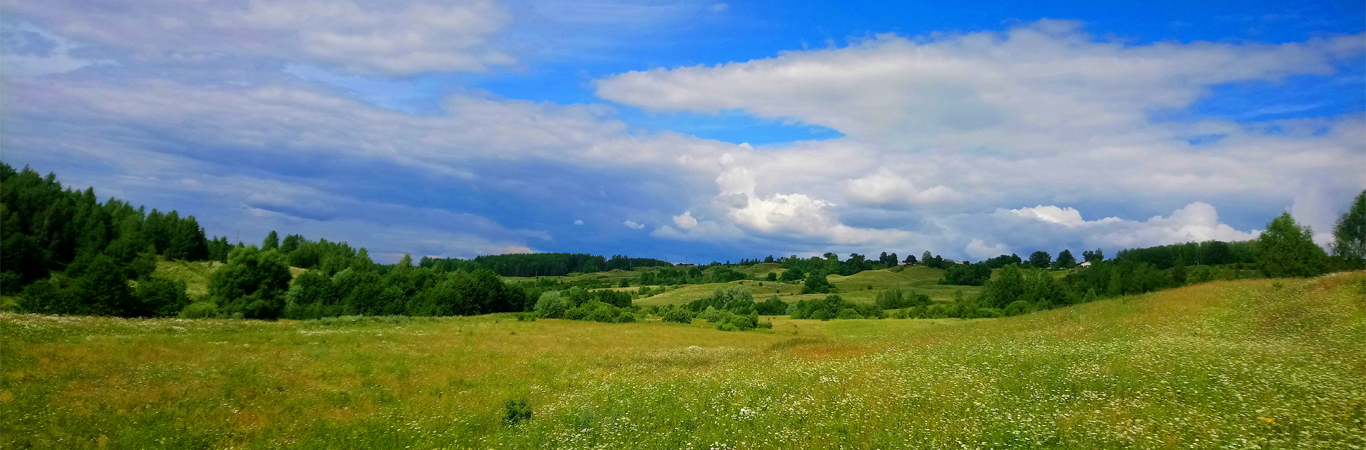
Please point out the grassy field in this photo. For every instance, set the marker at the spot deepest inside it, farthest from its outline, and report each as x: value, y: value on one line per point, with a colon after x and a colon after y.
x: 1227, y: 364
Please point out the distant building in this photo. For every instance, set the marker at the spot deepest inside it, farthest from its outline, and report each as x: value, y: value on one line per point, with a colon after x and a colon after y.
x: 1085, y: 264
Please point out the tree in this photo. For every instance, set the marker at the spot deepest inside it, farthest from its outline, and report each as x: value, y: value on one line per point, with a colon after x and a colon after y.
x: 1288, y: 250
x: 927, y: 257
x: 967, y: 274
x: 1179, y: 272
x: 104, y: 289
x: 1349, y: 234
x: 291, y: 243
x: 272, y: 241
x: 1092, y: 257
x: 1040, y: 259
x: 1065, y: 260
x: 252, y: 283
x: 910, y: 260
x: 816, y: 283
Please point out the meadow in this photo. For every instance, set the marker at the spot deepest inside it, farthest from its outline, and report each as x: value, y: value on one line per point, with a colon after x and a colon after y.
x: 1227, y: 364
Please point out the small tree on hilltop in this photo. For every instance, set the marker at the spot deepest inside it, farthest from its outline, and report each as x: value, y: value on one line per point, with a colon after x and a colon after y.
x: 1065, y: 260
x: 1350, y: 235
x: 1287, y: 249
x: 1040, y: 259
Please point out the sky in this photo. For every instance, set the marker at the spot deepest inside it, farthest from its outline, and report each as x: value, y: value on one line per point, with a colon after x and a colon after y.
x: 698, y: 131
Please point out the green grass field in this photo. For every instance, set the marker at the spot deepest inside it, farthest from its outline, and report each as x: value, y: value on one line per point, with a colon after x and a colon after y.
x: 1227, y: 364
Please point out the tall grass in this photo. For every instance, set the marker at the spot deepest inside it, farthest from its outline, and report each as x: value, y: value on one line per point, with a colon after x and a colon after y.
x: 1241, y: 364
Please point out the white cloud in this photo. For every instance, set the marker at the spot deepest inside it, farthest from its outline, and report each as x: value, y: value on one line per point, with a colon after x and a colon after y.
x: 980, y: 250
x: 1039, y: 81
x: 1067, y: 217
x: 685, y: 220
x: 578, y: 222
x: 719, y: 7
x: 632, y: 225
x: 886, y: 187
x: 796, y: 214
x: 369, y: 36
x: 1196, y: 222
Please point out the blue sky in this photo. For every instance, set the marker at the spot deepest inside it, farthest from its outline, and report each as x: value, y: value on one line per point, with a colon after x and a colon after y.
x: 699, y: 130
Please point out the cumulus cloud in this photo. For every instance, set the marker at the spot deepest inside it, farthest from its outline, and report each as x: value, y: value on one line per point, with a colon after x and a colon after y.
x: 1067, y: 217
x: 578, y: 222
x: 1196, y: 222
x: 980, y: 250
x: 369, y: 36
x: 795, y: 213
x: 886, y: 187
x: 685, y: 220
x: 632, y: 225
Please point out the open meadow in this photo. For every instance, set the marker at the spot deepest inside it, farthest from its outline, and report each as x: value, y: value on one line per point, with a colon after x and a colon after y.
x: 1228, y: 364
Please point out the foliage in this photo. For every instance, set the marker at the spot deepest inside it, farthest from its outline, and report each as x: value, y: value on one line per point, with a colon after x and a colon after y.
x: 1208, y: 253
x: 551, y: 306
x: 252, y: 284
x: 830, y: 307
x: 1041, y: 259
x: 676, y: 315
x: 816, y: 283
x: 44, y: 228
x: 1349, y: 234
x: 1288, y: 250
x: 771, y: 307
x: 967, y: 274
x: 1001, y: 261
x: 516, y: 411
x: 895, y: 298
x: 1065, y: 260
x: 542, y: 264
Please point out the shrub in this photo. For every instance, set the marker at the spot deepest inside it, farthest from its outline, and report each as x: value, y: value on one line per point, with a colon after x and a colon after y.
x: 967, y: 274
x: 848, y: 313
x: 711, y: 315
x: 771, y: 307
x: 1017, y: 307
x: 199, y: 310
x: 677, y: 315
x: 516, y: 411
x: 550, y: 305
x: 816, y: 283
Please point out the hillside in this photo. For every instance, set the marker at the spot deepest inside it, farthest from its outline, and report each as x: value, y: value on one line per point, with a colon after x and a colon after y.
x: 1247, y: 363
x: 196, y: 274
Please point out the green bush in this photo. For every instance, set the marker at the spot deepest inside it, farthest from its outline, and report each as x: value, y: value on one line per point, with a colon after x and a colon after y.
x: 677, y: 315
x: 551, y: 306
x: 516, y: 411
x: 199, y: 310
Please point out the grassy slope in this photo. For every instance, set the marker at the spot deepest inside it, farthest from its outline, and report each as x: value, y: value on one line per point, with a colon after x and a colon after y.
x: 1230, y: 363
x: 196, y: 274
